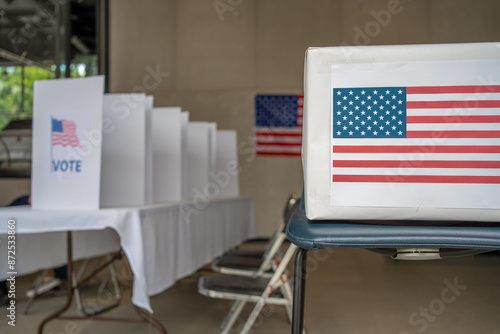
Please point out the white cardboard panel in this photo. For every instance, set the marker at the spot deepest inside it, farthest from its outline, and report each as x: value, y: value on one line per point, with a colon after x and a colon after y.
x: 66, y: 158
x: 184, y: 152
x: 212, y: 153
x: 199, y: 160
x: 167, y: 154
x: 124, y: 151
x: 149, y: 150
x: 319, y: 66
x: 226, y: 174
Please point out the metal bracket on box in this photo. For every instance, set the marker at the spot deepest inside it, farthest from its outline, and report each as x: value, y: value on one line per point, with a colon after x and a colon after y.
x: 417, y: 254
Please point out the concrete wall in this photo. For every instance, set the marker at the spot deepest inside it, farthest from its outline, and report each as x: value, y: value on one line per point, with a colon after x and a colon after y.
x: 220, y: 53
x: 10, y: 189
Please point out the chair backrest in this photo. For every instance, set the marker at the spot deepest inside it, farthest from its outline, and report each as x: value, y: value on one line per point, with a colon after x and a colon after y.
x: 292, y: 204
x: 287, y: 212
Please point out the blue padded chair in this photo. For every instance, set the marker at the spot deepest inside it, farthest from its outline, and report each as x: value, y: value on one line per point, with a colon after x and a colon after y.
x: 421, y: 240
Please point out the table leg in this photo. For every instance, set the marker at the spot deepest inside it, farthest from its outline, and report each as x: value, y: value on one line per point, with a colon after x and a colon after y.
x: 148, y: 318
x: 69, y: 297
x: 144, y: 317
x: 299, y: 285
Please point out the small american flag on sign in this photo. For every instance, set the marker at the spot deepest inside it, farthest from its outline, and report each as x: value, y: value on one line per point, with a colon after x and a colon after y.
x: 278, y: 125
x: 64, y: 133
x: 426, y: 135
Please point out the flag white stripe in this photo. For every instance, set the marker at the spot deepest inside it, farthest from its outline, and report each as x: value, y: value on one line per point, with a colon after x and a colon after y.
x: 416, y: 171
x: 280, y: 130
x: 454, y: 97
x: 424, y: 142
x: 271, y: 139
x: 450, y: 126
x: 418, y: 156
x: 453, y: 112
x: 279, y: 148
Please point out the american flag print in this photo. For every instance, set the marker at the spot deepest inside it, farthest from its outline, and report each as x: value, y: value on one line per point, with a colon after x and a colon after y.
x: 278, y: 125
x: 443, y: 140
x: 446, y: 134
x: 64, y: 133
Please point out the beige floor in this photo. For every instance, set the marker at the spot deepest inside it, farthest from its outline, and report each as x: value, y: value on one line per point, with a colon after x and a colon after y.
x: 348, y: 291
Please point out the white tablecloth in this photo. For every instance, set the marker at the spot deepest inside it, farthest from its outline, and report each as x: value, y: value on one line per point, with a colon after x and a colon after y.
x: 162, y: 242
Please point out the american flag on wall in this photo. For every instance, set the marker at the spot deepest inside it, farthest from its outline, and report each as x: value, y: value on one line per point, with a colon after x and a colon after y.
x: 419, y: 135
x: 278, y: 125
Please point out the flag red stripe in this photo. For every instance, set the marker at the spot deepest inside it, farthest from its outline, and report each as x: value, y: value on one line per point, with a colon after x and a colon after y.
x: 415, y: 164
x: 262, y: 143
x: 453, y: 89
x: 415, y: 149
x: 452, y: 104
x: 278, y: 134
x: 64, y: 138
x: 454, y: 119
x: 452, y: 134
x: 278, y: 153
x: 417, y: 179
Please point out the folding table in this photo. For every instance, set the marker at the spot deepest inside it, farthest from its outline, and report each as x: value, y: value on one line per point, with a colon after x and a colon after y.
x: 162, y: 242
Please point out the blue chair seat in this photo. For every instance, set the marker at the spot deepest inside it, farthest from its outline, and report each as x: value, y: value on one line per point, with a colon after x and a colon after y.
x: 319, y: 234
x: 313, y: 235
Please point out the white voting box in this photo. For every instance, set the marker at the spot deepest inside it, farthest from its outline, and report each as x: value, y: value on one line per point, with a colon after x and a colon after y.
x: 201, y: 158
x: 402, y: 132
x: 67, y: 116
x: 149, y: 149
x: 123, y: 169
x: 167, y: 154
x: 226, y: 167
x: 184, y: 155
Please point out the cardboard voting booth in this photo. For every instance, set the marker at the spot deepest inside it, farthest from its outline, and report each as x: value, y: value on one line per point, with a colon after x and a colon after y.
x: 167, y: 154
x: 124, y: 149
x: 402, y: 132
x: 212, y: 148
x: 201, y: 158
x: 184, y: 155
x: 66, y: 159
x: 226, y: 167
x: 149, y: 150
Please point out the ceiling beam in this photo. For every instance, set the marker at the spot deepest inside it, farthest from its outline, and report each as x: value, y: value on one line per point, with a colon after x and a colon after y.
x: 20, y: 60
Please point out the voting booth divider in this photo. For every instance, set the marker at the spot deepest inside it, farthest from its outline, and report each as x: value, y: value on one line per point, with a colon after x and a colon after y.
x: 93, y: 150
x: 66, y: 157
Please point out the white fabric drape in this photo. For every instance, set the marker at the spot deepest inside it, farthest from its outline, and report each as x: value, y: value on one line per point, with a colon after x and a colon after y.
x: 163, y: 242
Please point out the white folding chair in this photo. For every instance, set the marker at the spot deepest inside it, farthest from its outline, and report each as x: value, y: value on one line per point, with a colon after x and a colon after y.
x: 259, y: 286
x: 259, y: 290
x: 257, y: 262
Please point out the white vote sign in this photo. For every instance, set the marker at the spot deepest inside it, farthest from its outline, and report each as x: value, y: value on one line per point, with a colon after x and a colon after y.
x: 67, y: 134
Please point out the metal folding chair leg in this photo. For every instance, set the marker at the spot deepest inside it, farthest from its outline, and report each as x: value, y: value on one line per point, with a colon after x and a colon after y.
x: 299, y: 285
x: 36, y: 285
x: 286, y: 290
x: 233, y: 315
x: 273, y: 283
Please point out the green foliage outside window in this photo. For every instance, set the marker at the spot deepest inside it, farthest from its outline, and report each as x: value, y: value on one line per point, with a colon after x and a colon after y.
x: 14, y: 103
